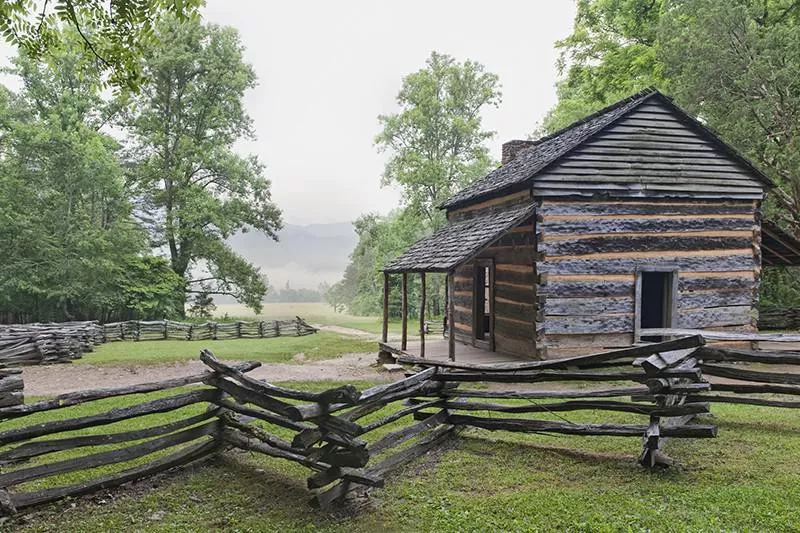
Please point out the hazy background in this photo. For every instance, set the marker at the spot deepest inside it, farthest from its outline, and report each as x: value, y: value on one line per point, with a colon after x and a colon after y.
x: 326, y: 71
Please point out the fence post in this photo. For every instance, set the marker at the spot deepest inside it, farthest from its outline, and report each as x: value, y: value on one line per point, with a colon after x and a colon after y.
x: 165, y: 329
x: 239, y: 329
x: 261, y: 329
x: 214, y: 331
x: 277, y: 328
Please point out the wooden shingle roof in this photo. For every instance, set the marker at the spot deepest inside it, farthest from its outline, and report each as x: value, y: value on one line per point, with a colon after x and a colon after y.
x: 546, y: 152
x: 458, y: 242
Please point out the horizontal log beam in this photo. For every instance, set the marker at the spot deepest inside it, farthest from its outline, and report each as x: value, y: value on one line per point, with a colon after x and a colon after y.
x: 546, y: 426
x: 186, y: 455
x: 74, y: 398
x: 160, y: 405
x: 37, y: 448
x: 119, y: 455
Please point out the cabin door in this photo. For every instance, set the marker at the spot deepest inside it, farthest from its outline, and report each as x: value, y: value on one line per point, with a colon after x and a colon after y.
x: 655, y: 301
x: 483, y: 304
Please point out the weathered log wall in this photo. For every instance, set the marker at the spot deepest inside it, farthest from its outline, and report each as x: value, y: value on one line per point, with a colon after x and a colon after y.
x: 514, y: 293
x: 590, y: 251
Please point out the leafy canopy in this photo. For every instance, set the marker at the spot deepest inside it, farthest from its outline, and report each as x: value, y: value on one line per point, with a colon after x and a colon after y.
x: 193, y: 190
x: 71, y: 248
x: 436, y: 140
x: 114, y: 33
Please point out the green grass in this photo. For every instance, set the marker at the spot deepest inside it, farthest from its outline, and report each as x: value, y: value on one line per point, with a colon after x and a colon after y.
x: 321, y: 345
x: 745, y: 480
x: 314, y: 313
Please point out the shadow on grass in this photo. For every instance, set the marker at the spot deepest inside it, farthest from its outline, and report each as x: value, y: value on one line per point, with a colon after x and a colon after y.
x: 529, y: 449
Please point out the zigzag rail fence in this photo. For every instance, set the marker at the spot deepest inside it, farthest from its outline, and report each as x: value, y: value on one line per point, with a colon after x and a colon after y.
x: 32, y: 344
x: 349, y: 438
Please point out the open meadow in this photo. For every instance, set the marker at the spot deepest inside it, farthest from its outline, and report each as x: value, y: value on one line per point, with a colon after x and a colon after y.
x: 317, y: 313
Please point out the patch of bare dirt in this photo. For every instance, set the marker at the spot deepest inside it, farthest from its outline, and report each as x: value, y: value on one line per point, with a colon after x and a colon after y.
x: 349, y: 331
x: 58, y: 379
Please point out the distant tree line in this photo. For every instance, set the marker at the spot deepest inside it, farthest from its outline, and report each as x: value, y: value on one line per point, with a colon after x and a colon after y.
x: 289, y: 295
x: 117, y: 206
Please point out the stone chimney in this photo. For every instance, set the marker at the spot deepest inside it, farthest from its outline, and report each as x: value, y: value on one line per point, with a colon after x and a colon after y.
x: 512, y: 148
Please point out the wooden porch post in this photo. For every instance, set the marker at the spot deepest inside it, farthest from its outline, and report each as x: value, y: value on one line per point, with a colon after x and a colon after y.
x: 451, y: 339
x: 422, y: 315
x: 404, y: 311
x: 385, y: 330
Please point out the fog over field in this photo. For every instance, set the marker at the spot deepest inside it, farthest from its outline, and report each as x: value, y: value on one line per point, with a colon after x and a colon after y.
x: 304, y: 256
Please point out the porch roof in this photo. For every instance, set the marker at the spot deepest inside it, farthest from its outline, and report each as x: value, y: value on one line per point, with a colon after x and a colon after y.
x: 459, y: 242
x: 778, y: 248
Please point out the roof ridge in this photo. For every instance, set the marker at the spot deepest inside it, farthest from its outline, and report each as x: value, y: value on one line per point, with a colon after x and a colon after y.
x: 581, y: 137
x: 647, y: 92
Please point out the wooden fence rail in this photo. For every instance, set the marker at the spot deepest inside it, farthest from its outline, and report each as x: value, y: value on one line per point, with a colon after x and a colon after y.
x: 350, y: 438
x: 346, y: 437
x: 33, y: 344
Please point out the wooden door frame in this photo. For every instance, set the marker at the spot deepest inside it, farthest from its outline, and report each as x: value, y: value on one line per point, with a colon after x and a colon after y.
x: 486, y: 344
x: 637, y: 297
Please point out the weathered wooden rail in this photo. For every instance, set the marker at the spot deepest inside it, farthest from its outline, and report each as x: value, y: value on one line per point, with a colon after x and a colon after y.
x: 660, y: 379
x: 349, y: 438
x: 139, y: 330
x: 33, y: 344
x: 779, y: 318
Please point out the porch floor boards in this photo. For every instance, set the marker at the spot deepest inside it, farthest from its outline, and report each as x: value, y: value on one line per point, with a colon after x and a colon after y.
x: 436, y: 349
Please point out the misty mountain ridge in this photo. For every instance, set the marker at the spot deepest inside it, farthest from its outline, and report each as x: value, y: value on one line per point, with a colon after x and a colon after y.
x: 304, y: 256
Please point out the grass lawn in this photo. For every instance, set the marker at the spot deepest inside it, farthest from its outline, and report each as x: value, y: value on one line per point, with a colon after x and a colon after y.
x: 321, y: 345
x: 314, y: 313
x: 746, y: 479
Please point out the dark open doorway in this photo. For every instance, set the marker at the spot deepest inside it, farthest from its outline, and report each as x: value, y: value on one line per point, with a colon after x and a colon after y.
x: 483, y: 296
x: 655, y: 301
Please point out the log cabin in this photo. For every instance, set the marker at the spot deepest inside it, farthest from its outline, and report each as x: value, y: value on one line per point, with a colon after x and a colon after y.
x: 637, y: 217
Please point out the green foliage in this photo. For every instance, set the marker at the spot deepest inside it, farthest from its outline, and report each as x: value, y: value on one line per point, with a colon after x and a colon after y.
x: 290, y: 295
x: 65, y: 217
x: 184, y: 170
x: 436, y: 140
x: 150, y: 289
x: 202, y: 305
x: 780, y: 287
x: 611, y: 53
x: 114, y: 34
x: 437, y: 146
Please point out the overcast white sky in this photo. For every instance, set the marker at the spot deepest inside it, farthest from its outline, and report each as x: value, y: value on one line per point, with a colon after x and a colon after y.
x: 327, y: 69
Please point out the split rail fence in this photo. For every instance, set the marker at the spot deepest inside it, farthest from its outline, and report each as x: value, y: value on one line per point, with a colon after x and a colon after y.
x: 34, y: 344
x: 349, y: 438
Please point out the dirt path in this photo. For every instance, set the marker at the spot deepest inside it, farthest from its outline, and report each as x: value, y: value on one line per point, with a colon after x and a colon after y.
x: 58, y: 379
x: 349, y: 331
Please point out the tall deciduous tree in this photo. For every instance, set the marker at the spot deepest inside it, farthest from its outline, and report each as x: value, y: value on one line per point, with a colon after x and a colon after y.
x: 436, y: 140
x: 71, y: 248
x: 196, y: 190
x: 611, y: 53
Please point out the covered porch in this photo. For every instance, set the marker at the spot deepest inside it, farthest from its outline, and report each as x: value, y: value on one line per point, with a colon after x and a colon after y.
x: 448, y: 249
